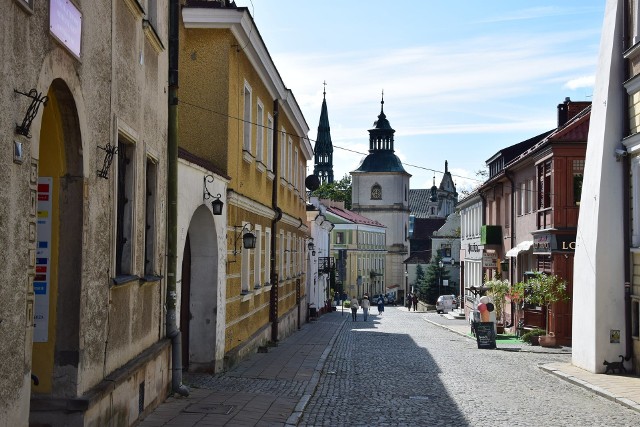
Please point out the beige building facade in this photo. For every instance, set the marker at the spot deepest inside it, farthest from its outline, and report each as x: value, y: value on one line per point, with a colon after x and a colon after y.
x: 83, y: 211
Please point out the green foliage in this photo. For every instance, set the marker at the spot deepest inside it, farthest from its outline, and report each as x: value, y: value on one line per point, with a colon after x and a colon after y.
x: 498, y: 290
x: 338, y: 191
x: 543, y: 289
x: 517, y: 293
x: 527, y: 336
x: 346, y: 304
x: 429, y: 288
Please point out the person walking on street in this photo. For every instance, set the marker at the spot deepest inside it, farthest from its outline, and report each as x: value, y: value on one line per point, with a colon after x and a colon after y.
x: 354, y: 308
x: 380, y: 303
x: 366, y: 304
x: 409, y: 301
x: 415, y: 302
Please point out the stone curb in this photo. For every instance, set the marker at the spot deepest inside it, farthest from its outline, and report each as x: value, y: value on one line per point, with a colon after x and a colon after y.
x: 587, y: 386
x: 294, y: 418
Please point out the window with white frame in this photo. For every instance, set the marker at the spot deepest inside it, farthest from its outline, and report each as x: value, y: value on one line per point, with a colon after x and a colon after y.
x: 246, y: 117
x: 260, y: 132
x: 125, y: 196
x: 289, y: 159
x: 267, y: 255
x: 257, y: 258
x: 288, y: 256
x: 281, y: 257
x: 283, y: 153
x: 523, y: 199
x: 294, y: 168
x: 245, y: 269
x: 269, y: 142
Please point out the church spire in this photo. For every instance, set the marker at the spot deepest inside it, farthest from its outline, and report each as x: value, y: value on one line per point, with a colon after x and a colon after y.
x: 323, y: 150
x: 381, y: 136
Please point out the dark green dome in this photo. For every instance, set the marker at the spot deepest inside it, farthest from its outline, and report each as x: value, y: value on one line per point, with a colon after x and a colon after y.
x: 381, y: 161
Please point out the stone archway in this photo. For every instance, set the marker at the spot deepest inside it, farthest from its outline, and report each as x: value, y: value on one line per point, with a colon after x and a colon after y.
x: 199, y: 292
x: 57, y: 284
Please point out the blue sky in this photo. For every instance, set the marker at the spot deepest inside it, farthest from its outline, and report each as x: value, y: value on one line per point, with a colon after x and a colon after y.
x: 461, y: 79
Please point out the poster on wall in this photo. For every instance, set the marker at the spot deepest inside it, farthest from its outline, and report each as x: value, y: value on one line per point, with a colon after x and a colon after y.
x: 41, y: 282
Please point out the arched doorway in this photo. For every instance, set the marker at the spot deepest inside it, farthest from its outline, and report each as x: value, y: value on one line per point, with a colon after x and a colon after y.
x: 199, y: 293
x: 57, y: 284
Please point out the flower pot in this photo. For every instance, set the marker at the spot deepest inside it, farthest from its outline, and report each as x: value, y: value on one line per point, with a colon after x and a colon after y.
x: 547, y: 340
x: 500, y: 328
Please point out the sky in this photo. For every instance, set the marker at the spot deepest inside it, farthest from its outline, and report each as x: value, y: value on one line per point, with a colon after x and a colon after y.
x: 461, y: 79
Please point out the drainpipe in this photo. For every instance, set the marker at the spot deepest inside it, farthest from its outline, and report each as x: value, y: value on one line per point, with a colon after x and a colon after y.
x: 172, y: 204
x: 273, y: 296
x: 509, y: 176
x: 626, y: 200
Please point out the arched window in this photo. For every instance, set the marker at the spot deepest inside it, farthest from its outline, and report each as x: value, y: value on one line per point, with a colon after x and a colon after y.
x: 376, y: 192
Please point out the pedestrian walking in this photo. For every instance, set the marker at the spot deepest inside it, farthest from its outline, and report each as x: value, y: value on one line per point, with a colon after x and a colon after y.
x: 366, y: 304
x: 414, y: 300
x: 409, y: 299
x: 354, y: 308
x: 380, y: 303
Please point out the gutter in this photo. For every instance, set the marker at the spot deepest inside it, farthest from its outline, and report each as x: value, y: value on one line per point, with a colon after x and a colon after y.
x: 273, y: 295
x: 509, y: 176
x: 172, y: 204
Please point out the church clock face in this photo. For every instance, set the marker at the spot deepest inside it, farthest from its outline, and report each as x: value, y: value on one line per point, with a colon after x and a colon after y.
x: 376, y: 192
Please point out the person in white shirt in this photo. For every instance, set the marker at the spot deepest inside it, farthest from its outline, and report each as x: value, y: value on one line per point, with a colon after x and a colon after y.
x: 365, y: 306
x: 354, y: 308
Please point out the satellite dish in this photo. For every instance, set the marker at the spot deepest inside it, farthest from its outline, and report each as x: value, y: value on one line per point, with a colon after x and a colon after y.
x: 312, y: 182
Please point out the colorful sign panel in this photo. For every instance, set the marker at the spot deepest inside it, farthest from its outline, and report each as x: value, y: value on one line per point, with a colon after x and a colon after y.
x: 42, y: 279
x: 65, y: 23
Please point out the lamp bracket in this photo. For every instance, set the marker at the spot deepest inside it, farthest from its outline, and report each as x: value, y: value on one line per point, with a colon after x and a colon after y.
x: 206, y: 195
x: 32, y: 111
x: 110, y: 151
x: 240, y: 229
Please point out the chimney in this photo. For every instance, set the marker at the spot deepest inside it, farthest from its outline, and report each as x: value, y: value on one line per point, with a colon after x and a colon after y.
x: 569, y: 109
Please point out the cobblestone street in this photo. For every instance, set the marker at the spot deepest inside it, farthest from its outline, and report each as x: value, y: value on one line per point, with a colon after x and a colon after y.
x: 399, y: 369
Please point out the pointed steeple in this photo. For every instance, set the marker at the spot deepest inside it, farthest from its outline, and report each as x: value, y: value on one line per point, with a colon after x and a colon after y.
x: 323, y: 150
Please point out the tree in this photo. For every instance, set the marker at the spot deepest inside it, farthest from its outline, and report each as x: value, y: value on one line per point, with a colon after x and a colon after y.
x: 431, y: 287
x: 338, y: 191
x: 545, y: 289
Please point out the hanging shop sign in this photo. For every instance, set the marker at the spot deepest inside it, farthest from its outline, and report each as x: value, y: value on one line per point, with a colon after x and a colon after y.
x: 547, y: 243
x: 490, y: 260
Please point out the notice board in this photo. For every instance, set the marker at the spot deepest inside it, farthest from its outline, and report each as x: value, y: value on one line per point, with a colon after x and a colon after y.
x: 485, y: 335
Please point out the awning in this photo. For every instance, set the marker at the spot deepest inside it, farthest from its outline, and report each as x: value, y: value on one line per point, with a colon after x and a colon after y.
x: 522, y: 246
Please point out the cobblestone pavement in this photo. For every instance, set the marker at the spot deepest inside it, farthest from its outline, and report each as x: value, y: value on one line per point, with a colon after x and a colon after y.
x: 399, y: 369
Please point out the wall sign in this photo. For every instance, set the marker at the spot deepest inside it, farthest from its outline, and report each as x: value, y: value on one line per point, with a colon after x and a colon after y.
x: 42, y: 279
x: 490, y: 260
x: 65, y: 23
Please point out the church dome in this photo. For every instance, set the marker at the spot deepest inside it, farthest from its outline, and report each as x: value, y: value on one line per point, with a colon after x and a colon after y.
x: 381, y: 161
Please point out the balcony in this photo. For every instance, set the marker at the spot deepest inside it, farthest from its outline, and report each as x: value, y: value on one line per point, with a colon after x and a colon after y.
x: 326, y: 264
x: 491, y: 235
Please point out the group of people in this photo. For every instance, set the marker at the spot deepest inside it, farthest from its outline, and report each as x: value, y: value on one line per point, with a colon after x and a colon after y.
x: 366, y: 305
x: 412, y: 301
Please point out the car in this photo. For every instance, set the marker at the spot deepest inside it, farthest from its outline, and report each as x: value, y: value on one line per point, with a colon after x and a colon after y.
x: 374, y: 299
x: 391, y: 299
x: 445, y: 303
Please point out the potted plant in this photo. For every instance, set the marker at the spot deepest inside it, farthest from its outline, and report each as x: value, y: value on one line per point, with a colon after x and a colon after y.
x: 533, y: 336
x: 498, y: 291
x: 543, y: 290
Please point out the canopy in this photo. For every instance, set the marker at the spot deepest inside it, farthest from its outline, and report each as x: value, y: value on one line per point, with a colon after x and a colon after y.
x: 522, y: 246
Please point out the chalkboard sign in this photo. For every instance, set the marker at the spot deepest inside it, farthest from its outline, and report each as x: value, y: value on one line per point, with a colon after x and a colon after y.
x: 485, y: 334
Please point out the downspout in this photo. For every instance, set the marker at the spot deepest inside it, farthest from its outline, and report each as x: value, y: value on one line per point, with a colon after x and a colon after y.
x: 172, y: 201
x: 626, y: 200
x: 273, y: 296
x: 509, y: 176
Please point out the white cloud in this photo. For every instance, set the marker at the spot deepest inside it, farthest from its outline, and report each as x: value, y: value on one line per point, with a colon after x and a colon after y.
x: 580, y: 82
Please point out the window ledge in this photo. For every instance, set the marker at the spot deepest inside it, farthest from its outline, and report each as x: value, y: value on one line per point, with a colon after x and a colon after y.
x: 247, y: 157
x: 271, y: 175
x: 150, y: 278
x: 124, y: 279
x: 266, y: 288
x: 260, y: 166
x: 246, y: 295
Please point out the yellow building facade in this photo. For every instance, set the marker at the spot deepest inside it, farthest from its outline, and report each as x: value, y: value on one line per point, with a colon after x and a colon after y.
x: 236, y: 114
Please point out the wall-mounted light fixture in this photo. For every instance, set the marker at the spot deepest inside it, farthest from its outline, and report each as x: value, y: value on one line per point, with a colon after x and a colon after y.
x: 32, y: 111
x: 248, y: 238
x: 217, y: 204
x: 311, y: 247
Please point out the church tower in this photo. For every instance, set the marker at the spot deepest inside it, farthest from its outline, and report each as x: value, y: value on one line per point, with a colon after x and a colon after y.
x: 323, y: 150
x: 380, y: 191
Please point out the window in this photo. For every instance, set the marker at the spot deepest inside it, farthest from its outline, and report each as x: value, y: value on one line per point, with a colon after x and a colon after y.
x: 257, y: 258
x: 152, y: 13
x: 523, y: 199
x: 289, y: 159
x: 340, y: 237
x: 267, y: 255
x: 445, y: 250
x: 260, y: 133
x: 544, y: 185
x: 376, y: 192
x: 245, y: 267
x: 281, y: 256
x: 288, y: 257
x: 283, y: 154
x: 124, y: 207
x: 294, y: 167
x: 246, y: 141
x: 578, y: 171
x: 530, y: 195
x: 150, y: 218
x: 269, y: 142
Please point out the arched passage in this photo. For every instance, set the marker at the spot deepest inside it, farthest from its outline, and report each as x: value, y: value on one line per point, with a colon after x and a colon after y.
x: 57, y: 284
x: 199, y: 300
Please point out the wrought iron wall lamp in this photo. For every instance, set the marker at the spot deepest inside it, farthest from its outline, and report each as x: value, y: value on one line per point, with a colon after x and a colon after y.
x: 110, y: 151
x: 32, y: 111
x: 217, y: 204
x: 248, y: 238
x: 312, y: 247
